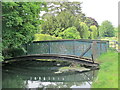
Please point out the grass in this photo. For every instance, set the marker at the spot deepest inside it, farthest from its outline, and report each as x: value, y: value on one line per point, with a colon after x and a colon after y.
x: 108, y: 73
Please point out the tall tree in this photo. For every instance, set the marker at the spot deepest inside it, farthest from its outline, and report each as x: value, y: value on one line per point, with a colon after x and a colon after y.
x: 106, y: 29
x: 20, y: 21
x: 53, y: 25
x: 54, y: 8
x: 62, y: 15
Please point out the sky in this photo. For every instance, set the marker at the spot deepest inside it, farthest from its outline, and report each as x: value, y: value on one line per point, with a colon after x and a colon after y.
x: 101, y: 10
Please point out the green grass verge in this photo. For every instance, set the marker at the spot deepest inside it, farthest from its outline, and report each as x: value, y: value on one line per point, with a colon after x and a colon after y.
x: 108, y: 73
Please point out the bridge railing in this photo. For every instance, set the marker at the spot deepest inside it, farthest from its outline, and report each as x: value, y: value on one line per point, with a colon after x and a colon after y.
x: 67, y: 47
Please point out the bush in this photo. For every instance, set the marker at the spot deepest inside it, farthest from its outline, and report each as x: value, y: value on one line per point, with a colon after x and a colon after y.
x: 70, y: 33
x: 42, y: 37
x: 13, y: 52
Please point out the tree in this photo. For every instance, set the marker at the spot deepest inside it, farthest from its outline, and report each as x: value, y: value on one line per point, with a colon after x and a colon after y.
x: 94, y: 32
x: 54, y: 25
x: 91, y: 21
x: 84, y: 32
x: 20, y: 21
x: 60, y: 16
x: 106, y: 29
x: 63, y: 15
x: 55, y: 8
x: 70, y: 33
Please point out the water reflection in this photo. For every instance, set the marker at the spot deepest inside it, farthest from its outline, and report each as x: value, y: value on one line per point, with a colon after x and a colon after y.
x: 41, y: 74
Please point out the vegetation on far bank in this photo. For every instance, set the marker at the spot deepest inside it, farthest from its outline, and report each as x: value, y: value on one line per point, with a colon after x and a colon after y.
x: 108, y: 73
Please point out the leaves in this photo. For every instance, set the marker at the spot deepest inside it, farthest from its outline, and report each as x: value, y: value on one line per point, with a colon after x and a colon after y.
x: 64, y: 15
x: 20, y: 22
x: 70, y: 33
x: 84, y: 33
x: 106, y: 29
x: 94, y: 32
x: 42, y: 37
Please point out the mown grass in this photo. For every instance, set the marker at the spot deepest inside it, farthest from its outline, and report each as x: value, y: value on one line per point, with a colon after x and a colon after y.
x: 108, y: 73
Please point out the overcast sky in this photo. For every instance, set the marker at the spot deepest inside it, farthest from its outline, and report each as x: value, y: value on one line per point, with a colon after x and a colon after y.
x: 101, y: 10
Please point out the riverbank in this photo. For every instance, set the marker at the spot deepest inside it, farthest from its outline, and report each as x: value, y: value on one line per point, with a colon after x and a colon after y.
x: 108, y: 73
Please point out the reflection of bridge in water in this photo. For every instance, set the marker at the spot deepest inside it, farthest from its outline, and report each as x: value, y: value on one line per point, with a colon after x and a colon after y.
x: 52, y: 77
x: 78, y: 77
x: 82, y: 51
x: 34, y: 71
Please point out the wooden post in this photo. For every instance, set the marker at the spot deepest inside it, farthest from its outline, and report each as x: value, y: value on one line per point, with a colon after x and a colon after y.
x: 74, y: 47
x: 49, y: 47
x: 94, y: 50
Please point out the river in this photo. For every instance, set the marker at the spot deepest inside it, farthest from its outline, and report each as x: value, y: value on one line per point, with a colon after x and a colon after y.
x: 44, y: 74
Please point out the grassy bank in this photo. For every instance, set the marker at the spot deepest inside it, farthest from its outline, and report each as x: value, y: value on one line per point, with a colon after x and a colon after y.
x: 108, y: 73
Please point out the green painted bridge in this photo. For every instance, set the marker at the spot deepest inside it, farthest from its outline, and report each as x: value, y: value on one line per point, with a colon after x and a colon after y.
x: 82, y: 51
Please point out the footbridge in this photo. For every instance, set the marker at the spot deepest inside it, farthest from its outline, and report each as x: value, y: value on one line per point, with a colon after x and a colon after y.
x: 81, y: 51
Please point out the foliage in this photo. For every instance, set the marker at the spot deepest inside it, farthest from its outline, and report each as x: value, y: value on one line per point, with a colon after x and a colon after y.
x: 55, y: 25
x: 20, y: 22
x: 94, y: 32
x: 55, y: 8
x: 60, y: 17
x: 84, y: 32
x: 63, y: 15
x: 42, y: 37
x: 13, y: 52
x: 116, y: 32
x: 70, y: 33
x: 106, y: 29
x: 108, y: 71
x: 91, y: 21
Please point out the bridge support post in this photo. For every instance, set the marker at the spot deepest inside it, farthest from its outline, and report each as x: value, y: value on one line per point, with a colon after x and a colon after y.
x: 73, y: 47
x: 49, y: 48
x: 94, y: 50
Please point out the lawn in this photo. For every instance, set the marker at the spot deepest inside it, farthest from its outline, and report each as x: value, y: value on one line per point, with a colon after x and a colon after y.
x: 108, y: 73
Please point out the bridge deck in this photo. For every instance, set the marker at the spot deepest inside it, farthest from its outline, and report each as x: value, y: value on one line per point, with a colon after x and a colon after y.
x: 81, y: 60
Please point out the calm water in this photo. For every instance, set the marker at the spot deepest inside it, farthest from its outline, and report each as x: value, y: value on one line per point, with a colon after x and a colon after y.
x: 44, y: 74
